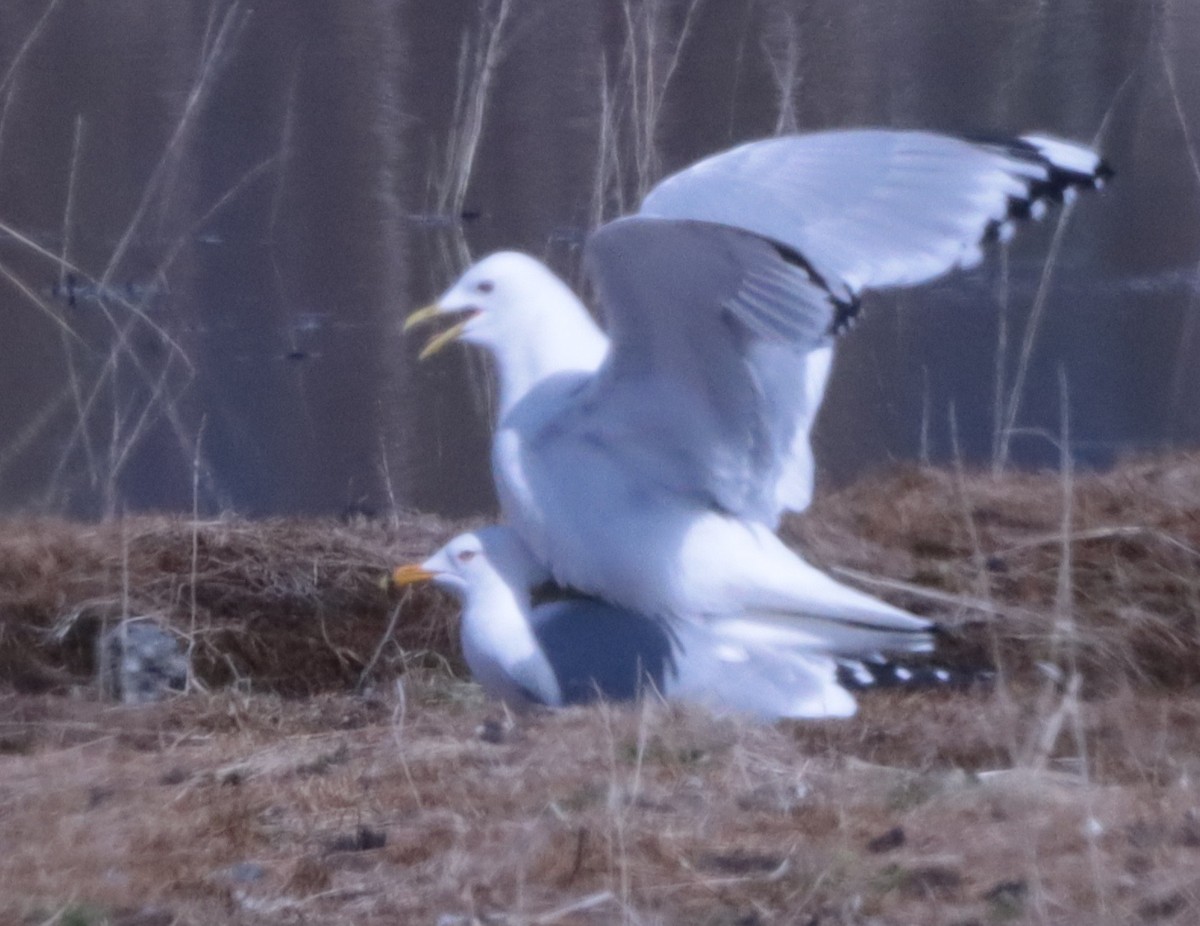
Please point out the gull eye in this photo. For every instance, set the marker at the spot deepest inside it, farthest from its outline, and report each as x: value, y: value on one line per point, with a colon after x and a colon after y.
x: 465, y: 556
x: 485, y: 287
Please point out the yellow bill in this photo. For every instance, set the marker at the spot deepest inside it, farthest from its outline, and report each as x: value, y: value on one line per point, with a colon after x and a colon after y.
x: 409, y: 574
x: 422, y: 315
x: 438, y: 341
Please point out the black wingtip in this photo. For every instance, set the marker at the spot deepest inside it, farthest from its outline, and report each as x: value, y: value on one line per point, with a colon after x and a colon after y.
x: 845, y: 314
x: 869, y: 674
x: 1063, y: 170
x: 845, y: 306
x: 1067, y: 171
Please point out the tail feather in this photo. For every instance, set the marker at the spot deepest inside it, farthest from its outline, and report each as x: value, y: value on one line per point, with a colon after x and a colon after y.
x: 725, y: 673
x: 849, y: 639
x: 784, y: 598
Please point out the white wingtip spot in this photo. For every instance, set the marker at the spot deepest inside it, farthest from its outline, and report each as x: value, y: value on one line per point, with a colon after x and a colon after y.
x: 1065, y: 155
x: 1070, y: 193
x: 1005, y: 232
x: 941, y: 675
x: 1037, y: 209
x: 903, y: 674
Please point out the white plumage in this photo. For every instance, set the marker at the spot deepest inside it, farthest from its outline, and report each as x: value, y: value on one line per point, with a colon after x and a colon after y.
x: 650, y: 469
x: 575, y: 651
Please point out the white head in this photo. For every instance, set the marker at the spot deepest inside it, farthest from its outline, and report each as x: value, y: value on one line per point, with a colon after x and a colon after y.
x: 513, y: 305
x: 493, y: 573
x: 474, y: 562
x: 500, y: 298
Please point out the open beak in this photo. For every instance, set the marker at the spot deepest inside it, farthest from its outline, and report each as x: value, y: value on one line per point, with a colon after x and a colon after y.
x: 422, y: 315
x: 410, y: 573
x: 438, y: 341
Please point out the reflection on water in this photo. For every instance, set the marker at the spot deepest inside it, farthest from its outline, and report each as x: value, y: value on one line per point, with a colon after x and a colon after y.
x: 215, y: 216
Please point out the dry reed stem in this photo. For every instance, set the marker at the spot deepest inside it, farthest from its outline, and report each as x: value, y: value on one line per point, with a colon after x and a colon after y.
x: 1183, y: 367
x: 1012, y: 406
x: 481, y: 53
x: 8, y: 81
x: 231, y: 23
x: 652, y: 57
x: 100, y: 391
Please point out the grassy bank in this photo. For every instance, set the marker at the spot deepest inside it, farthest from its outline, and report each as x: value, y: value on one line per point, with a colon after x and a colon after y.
x: 332, y: 766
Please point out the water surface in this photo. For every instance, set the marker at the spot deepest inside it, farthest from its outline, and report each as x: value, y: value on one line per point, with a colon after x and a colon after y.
x: 216, y: 215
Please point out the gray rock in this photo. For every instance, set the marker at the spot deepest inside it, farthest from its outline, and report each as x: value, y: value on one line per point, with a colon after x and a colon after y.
x: 138, y: 661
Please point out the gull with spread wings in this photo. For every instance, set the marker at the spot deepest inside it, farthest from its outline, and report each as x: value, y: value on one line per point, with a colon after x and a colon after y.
x: 649, y: 465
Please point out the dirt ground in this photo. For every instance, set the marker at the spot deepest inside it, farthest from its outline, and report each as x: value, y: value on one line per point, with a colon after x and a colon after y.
x: 326, y: 770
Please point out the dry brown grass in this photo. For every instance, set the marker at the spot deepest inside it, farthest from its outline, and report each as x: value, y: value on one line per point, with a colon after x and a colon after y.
x: 290, y: 606
x: 1032, y: 801
x: 1132, y: 581
x: 263, y: 810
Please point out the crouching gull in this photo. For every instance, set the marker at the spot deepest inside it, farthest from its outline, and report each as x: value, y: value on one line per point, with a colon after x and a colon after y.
x: 578, y: 650
x: 651, y: 468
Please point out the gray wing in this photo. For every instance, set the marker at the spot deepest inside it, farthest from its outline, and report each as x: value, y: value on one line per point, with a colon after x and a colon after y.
x: 700, y: 393
x: 740, y: 266
x: 599, y: 650
x: 875, y: 208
